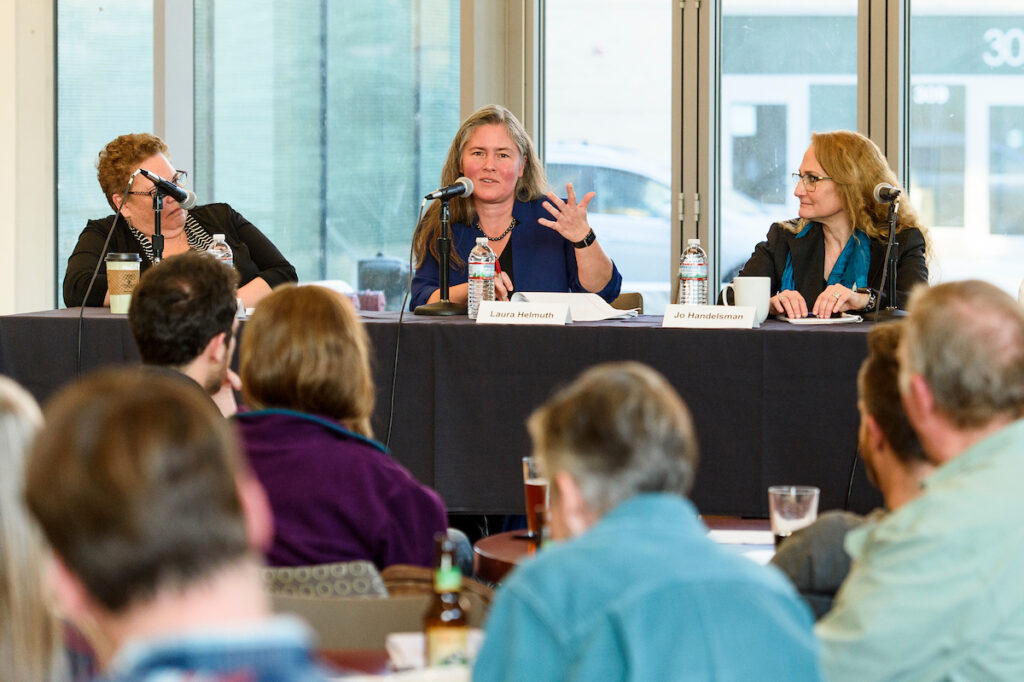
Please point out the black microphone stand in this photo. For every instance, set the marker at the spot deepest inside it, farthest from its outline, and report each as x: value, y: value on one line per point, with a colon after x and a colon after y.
x: 158, y: 238
x: 892, y: 249
x: 444, y: 249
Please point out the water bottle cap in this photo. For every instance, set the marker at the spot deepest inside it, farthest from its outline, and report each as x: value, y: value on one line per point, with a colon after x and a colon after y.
x: 481, y: 241
x: 693, y: 242
x: 218, y: 237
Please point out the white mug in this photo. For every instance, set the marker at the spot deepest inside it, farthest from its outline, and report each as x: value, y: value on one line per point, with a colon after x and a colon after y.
x: 751, y: 291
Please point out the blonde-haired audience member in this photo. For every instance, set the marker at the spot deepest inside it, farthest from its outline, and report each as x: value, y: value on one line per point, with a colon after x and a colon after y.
x: 31, y: 647
x: 336, y: 493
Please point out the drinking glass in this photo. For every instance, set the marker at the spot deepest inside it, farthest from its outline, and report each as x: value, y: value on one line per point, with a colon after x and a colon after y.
x: 791, y: 507
x: 535, y: 488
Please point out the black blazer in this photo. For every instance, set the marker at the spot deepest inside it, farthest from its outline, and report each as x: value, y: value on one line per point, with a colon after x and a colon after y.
x: 254, y: 255
x: 769, y: 260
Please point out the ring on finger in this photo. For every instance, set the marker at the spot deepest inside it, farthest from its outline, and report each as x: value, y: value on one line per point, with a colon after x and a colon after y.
x: 836, y: 294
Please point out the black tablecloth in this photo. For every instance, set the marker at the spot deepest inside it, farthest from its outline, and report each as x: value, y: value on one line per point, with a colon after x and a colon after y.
x: 771, y: 406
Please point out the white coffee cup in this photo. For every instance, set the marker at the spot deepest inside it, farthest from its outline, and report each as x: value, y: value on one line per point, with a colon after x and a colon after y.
x: 751, y: 291
x: 122, y: 276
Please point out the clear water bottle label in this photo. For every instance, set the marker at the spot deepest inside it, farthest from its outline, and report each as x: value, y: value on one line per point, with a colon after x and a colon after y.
x: 481, y: 270
x: 693, y: 271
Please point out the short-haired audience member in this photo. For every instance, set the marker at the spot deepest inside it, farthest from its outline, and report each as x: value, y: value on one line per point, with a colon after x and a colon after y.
x: 814, y: 557
x: 183, y: 318
x: 31, y: 647
x: 830, y: 259
x: 637, y: 591
x: 337, y: 495
x: 935, y: 590
x: 140, y: 488
x: 259, y: 263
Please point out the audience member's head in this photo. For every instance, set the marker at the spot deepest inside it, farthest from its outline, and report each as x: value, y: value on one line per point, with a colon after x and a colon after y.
x: 887, y: 440
x: 619, y: 430
x: 30, y: 642
x: 962, y: 361
x: 139, y: 487
x: 305, y: 349
x: 182, y: 316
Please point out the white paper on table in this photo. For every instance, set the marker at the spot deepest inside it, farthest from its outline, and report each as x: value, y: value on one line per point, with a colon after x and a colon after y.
x: 742, y: 537
x: 408, y: 649
x: 452, y: 673
x: 845, y: 319
x: 582, y: 307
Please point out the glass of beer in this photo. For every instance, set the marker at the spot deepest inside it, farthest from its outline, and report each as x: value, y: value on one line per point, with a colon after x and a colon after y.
x: 791, y: 507
x: 536, y: 492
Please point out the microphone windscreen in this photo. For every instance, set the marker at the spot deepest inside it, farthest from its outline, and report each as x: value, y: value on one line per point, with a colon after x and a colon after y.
x: 463, y: 180
x: 189, y: 202
x: 885, y: 193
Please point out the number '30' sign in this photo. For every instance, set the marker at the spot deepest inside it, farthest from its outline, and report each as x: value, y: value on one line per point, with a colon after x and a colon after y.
x: 1007, y: 47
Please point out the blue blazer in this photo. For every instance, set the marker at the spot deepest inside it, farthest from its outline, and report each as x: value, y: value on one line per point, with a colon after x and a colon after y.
x: 544, y: 260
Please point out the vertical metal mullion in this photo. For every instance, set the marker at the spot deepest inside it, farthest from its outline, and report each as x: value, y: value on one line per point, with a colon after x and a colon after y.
x: 685, y: 114
x: 174, y: 78
x: 897, y: 88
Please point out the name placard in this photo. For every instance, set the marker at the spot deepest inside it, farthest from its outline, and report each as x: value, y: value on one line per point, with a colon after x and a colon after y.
x: 504, y: 312
x: 709, y: 316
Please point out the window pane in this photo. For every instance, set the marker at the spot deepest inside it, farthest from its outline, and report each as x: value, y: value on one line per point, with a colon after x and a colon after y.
x: 101, y: 93
x: 967, y: 136
x: 607, y: 128
x: 325, y: 123
x: 777, y: 86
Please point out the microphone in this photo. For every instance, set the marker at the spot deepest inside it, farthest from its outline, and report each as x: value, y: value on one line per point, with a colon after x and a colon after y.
x: 461, y: 187
x: 185, y: 198
x: 886, y: 193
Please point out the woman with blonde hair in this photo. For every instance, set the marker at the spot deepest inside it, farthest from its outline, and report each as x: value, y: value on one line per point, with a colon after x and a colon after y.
x: 830, y: 259
x: 542, y: 245
x: 336, y: 493
x: 31, y: 645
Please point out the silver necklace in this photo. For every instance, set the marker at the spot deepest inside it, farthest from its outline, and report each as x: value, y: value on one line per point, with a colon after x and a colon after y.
x: 500, y: 236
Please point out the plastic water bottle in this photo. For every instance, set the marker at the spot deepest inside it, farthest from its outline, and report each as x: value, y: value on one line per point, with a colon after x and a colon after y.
x: 220, y: 250
x: 481, y: 275
x: 693, y: 275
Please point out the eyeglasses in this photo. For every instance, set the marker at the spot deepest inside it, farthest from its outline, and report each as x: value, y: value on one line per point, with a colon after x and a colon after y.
x: 180, y: 178
x: 810, y: 180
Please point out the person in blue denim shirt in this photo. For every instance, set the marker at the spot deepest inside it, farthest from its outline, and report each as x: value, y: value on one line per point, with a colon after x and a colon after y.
x: 139, y: 487
x: 637, y: 591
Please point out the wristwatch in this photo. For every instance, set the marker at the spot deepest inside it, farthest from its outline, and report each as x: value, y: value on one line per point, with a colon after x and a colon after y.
x: 586, y: 241
x: 872, y: 297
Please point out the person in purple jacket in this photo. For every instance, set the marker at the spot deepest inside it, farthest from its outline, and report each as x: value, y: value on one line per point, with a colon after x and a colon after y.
x: 336, y: 494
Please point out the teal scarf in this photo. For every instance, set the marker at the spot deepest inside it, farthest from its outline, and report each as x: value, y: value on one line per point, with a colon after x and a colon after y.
x: 851, y: 268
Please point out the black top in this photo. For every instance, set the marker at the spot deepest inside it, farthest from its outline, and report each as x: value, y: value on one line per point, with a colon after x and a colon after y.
x: 506, y: 263
x: 769, y: 260
x: 254, y: 254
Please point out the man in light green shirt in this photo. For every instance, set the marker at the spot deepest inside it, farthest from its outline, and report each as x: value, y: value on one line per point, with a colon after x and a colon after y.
x: 936, y: 590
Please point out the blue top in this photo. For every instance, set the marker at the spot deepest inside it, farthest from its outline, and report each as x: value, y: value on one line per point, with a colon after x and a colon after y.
x: 645, y: 595
x: 276, y: 650
x: 935, y: 591
x: 544, y: 260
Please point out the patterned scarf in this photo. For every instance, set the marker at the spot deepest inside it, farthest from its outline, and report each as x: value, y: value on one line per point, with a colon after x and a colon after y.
x: 851, y: 268
x: 198, y: 238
